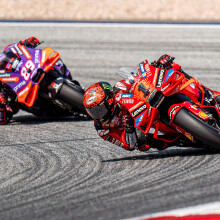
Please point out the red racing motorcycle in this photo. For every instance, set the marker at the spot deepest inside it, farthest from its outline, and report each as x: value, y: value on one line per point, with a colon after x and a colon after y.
x: 172, y: 108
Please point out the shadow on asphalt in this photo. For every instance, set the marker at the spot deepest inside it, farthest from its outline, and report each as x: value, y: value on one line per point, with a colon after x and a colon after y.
x: 168, y: 153
x: 31, y: 119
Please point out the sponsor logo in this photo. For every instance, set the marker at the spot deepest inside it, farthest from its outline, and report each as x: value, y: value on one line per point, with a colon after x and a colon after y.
x: 106, y: 86
x: 23, y: 91
x: 19, y: 65
x: 5, y: 75
x: 141, y: 65
x: 139, y: 119
x: 173, y: 111
x: 15, y: 64
x: 13, y: 50
x: 37, y: 56
x: 169, y: 74
x: 127, y: 96
x: 25, y: 51
x: 128, y: 101
x: 18, y: 50
x: 148, y: 70
x: 19, y: 86
x: 43, y: 56
x: 139, y: 110
x: 160, y: 78
x: 9, y: 79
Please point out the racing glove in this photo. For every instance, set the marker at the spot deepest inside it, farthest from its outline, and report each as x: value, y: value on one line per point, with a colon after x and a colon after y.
x: 31, y: 42
x: 164, y: 62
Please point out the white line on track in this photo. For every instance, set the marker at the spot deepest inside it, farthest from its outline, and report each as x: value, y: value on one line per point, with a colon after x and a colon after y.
x: 107, y: 24
x: 209, y: 208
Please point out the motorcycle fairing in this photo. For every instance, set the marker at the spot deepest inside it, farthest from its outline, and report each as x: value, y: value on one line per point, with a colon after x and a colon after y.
x: 168, y: 82
x: 20, y: 79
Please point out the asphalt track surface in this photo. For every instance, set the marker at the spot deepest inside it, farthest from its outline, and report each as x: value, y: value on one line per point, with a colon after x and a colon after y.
x: 61, y: 169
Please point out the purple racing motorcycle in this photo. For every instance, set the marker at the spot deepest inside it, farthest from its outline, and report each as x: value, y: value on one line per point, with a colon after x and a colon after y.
x: 37, y: 81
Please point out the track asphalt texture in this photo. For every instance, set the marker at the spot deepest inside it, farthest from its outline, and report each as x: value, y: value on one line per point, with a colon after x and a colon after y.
x: 61, y: 169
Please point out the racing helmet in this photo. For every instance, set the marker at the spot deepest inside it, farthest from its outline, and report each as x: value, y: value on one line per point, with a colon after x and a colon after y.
x: 99, y: 101
x: 7, y: 59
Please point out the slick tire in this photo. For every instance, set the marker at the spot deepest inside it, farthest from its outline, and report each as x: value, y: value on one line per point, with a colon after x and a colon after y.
x: 198, y: 128
x: 73, y: 95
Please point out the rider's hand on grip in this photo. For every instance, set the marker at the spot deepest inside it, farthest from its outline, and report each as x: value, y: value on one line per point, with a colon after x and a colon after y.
x: 165, y: 61
x: 31, y: 42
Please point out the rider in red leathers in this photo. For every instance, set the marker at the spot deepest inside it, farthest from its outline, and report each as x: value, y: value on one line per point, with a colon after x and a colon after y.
x: 113, y: 122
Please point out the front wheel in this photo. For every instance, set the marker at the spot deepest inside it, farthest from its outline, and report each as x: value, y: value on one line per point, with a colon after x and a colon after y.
x: 73, y: 95
x: 200, y: 129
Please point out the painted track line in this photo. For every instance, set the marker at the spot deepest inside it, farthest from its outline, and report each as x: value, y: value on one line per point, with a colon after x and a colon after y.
x: 212, y: 209
x: 107, y: 24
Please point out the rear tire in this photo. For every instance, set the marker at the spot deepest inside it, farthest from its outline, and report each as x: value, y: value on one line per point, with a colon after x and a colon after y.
x: 198, y: 128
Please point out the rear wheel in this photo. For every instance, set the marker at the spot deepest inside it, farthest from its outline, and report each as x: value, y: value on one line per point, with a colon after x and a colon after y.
x: 206, y: 133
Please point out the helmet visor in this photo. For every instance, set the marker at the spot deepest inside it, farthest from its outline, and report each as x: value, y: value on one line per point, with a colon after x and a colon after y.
x: 98, y: 111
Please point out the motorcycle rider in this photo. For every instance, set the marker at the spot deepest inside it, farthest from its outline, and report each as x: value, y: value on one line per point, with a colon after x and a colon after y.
x: 113, y: 122
x: 6, y: 63
x: 8, y: 107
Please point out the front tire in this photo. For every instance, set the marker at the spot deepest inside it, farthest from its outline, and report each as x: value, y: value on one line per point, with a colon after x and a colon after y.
x: 198, y: 128
x: 73, y: 95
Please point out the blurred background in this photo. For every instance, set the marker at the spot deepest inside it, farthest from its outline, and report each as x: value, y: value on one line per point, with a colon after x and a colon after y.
x: 205, y: 11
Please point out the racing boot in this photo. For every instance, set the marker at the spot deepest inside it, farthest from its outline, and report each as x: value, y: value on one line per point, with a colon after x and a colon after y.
x: 144, y: 147
x: 211, y: 96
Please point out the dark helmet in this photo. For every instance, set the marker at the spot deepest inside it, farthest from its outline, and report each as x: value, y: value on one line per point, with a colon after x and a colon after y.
x: 7, y: 59
x: 99, y: 101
